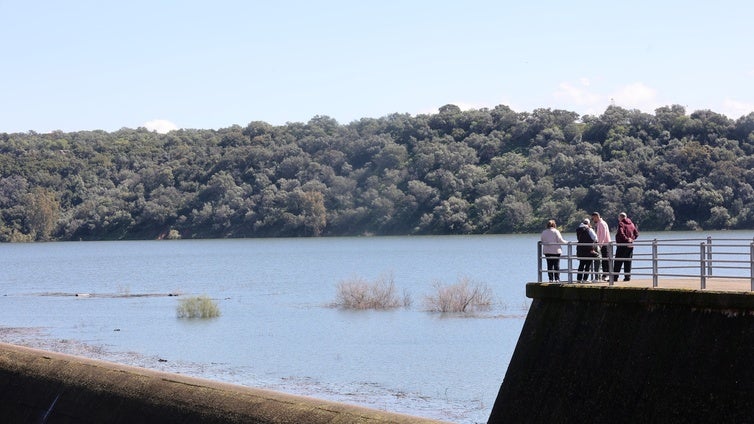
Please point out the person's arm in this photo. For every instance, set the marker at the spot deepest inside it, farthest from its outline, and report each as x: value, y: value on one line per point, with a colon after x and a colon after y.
x: 621, y: 236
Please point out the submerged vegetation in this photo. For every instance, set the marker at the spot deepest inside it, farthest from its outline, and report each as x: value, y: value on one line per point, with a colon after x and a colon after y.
x: 357, y: 293
x: 464, y: 296
x: 197, y: 307
x: 453, y: 172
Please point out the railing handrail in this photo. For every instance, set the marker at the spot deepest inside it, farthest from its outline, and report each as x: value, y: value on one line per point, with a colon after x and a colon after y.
x: 731, y: 258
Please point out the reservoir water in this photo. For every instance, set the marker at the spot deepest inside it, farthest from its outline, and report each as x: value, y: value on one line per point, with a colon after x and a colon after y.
x: 278, y: 328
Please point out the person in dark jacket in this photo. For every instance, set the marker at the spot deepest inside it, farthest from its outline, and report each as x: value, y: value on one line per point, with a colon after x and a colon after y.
x: 585, y: 249
x: 627, y: 233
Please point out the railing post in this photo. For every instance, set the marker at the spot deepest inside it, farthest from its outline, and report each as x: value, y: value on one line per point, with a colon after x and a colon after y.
x: 610, y: 277
x: 539, y: 261
x: 702, y: 276
x: 570, y: 263
x: 655, y: 263
x: 709, y: 255
x: 751, y: 265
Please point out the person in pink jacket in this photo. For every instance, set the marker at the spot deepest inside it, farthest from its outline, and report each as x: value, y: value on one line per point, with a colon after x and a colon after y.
x: 603, y: 242
x: 552, y: 241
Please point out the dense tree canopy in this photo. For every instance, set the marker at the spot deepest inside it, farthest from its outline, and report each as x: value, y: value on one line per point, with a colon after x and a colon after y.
x: 453, y: 172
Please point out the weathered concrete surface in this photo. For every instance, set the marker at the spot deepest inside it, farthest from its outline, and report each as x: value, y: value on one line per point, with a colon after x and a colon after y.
x: 40, y: 386
x: 626, y: 355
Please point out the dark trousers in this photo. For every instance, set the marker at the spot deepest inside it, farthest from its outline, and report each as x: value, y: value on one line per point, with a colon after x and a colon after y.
x: 623, y: 255
x: 585, y: 265
x: 605, y: 261
x: 596, y: 267
x: 553, y: 264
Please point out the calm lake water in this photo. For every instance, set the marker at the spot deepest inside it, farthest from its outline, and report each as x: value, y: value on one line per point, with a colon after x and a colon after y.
x: 278, y: 329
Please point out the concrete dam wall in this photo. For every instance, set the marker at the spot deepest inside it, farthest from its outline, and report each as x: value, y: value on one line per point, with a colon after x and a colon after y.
x: 44, y: 387
x: 597, y: 354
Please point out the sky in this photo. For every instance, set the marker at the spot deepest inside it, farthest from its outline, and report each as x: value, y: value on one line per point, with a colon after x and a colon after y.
x: 80, y: 65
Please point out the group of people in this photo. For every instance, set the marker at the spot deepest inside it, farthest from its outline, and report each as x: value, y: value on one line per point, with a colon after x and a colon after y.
x: 592, y: 248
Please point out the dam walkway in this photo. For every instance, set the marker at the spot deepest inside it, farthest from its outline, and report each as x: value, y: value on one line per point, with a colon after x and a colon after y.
x: 720, y: 264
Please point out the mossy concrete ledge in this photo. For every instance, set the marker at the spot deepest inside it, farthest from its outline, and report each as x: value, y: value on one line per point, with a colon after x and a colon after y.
x: 603, y: 354
x: 40, y: 386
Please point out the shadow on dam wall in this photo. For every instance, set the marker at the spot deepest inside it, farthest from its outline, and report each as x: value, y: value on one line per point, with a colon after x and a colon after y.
x: 44, y: 387
x: 595, y: 354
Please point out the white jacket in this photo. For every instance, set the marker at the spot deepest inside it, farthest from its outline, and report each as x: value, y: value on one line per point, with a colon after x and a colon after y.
x: 551, y: 241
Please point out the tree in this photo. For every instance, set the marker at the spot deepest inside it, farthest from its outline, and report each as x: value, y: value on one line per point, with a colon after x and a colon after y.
x: 42, y: 213
x: 660, y: 216
x: 672, y: 119
x: 451, y: 216
x: 515, y: 216
x: 719, y: 218
x: 744, y: 132
x: 453, y: 171
x: 312, y: 206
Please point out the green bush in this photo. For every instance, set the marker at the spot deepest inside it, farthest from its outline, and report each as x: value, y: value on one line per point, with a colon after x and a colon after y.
x: 464, y: 296
x: 197, y: 307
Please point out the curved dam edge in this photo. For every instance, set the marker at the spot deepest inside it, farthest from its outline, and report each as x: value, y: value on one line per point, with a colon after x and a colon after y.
x: 625, y: 355
x: 43, y: 386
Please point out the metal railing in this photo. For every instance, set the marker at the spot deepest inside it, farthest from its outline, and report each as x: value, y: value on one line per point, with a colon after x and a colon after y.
x: 701, y: 258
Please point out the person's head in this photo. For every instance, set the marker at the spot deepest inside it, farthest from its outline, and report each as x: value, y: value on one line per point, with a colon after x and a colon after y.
x: 585, y: 222
x: 551, y: 224
x: 595, y: 216
x: 622, y: 216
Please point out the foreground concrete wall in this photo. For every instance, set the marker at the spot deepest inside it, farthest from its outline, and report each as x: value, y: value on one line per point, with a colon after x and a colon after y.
x: 38, y: 386
x: 629, y: 355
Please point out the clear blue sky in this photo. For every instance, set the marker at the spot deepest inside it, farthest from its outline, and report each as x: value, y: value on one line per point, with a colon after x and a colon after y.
x: 84, y: 65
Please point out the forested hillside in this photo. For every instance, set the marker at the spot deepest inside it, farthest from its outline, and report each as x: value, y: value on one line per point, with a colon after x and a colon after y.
x: 453, y: 172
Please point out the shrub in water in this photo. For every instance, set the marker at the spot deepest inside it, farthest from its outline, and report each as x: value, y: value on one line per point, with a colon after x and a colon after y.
x: 464, y: 296
x: 357, y: 293
x: 197, y: 307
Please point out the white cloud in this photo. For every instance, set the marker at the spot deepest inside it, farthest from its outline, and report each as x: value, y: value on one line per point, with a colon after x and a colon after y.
x: 582, y: 97
x: 161, y: 126
x: 734, y: 109
x: 469, y: 106
x: 577, y: 95
x: 579, y: 98
x: 636, y: 96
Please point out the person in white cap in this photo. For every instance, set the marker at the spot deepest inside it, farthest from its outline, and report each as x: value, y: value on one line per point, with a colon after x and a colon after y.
x: 585, y: 236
